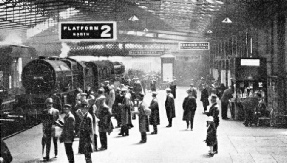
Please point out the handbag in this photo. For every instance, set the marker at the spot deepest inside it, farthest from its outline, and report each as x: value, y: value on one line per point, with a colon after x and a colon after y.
x: 147, y: 111
x: 56, y: 131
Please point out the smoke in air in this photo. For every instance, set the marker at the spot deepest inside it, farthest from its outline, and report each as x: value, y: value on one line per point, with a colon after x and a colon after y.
x: 65, y: 50
x: 11, y: 39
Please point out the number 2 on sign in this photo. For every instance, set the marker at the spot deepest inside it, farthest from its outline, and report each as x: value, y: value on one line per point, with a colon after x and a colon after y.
x: 106, y: 29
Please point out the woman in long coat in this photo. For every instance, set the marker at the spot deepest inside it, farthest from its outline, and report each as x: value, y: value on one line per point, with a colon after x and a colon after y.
x: 189, y: 107
x: 169, y: 107
x: 154, y: 117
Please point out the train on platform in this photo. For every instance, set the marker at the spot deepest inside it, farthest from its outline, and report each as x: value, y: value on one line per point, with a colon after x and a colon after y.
x: 42, y: 77
x: 13, y: 59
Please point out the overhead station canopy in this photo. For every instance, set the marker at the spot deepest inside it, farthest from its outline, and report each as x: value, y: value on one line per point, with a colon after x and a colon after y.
x: 151, y: 19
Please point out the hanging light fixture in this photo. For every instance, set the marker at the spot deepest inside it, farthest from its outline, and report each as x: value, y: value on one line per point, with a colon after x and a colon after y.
x: 134, y: 18
x: 209, y: 31
x: 226, y: 20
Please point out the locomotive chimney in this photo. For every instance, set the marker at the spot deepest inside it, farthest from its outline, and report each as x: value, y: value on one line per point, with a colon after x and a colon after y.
x: 65, y: 50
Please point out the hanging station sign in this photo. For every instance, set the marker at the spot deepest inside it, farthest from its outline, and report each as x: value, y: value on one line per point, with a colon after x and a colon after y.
x: 88, y: 31
x: 146, y: 52
x: 193, y: 45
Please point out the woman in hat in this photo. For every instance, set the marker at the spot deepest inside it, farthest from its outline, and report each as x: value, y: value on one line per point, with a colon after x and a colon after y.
x: 154, y: 117
x: 189, y: 108
x: 211, y: 138
x: 105, y: 124
x: 169, y: 107
x: 86, y: 133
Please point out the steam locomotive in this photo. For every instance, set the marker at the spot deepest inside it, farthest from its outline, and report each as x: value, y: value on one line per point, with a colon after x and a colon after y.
x: 59, y: 78
x: 13, y: 59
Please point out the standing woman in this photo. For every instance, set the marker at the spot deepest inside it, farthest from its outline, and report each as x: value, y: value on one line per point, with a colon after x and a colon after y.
x: 204, y: 97
x: 189, y: 107
x: 154, y: 117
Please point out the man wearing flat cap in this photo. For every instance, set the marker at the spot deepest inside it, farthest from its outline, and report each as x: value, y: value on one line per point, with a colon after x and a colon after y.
x: 143, y: 119
x: 193, y: 90
x: 154, y: 117
x: 86, y: 133
x: 169, y: 107
x: 68, y: 133
x: 125, y: 116
x: 50, y: 116
x: 104, y: 115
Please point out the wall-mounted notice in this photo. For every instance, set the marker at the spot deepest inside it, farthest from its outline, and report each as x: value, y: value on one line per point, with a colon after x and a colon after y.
x: 193, y: 45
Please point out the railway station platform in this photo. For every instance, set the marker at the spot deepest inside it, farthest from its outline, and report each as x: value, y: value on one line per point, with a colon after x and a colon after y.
x: 237, y: 143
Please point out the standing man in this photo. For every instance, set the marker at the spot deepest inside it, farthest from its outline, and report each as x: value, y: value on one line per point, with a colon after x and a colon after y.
x: 153, y: 85
x: 154, y: 117
x: 125, y: 106
x: 143, y: 119
x: 50, y: 116
x: 68, y: 133
x: 214, y: 112
x: 189, y: 107
x: 173, y: 89
x: 226, y: 96
x: 204, y: 97
x: 116, y: 110
x: 105, y: 124
x: 86, y: 133
x: 112, y: 96
x: 169, y: 107
x: 193, y: 90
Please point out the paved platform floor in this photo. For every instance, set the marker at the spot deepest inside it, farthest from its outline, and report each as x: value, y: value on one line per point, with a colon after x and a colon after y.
x: 237, y: 144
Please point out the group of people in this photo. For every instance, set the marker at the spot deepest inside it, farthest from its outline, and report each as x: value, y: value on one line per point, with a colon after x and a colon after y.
x: 124, y: 102
x: 91, y: 116
x: 189, y: 106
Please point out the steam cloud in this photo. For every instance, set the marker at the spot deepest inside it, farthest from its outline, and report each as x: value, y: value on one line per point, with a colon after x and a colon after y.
x: 10, y: 38
x: 65, y: 50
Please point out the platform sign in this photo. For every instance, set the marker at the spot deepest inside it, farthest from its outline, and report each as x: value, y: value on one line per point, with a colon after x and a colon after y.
x: 146, y: 52
x: 193, y: 45
x: 88, y: 31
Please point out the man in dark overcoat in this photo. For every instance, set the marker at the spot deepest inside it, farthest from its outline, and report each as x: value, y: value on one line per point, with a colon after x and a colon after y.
x: 86, y: 133
x: 173, y: 89
x: 105, y: 124
x: 226, y: 96
x: 193, y: 90
x: 125, y: 106
x: 154, y: 117
x: 50, y: 116
x: 153, y: 85
x: 204, y: 98
x: 143, y: 119
x: 189, y: 106
x: 116, y: 110
x: 68, y: 133
x: 169, y: 107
